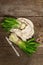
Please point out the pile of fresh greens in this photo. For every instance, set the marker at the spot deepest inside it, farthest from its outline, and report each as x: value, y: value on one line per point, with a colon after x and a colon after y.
x: 29, y: 46
x: 9, y: 23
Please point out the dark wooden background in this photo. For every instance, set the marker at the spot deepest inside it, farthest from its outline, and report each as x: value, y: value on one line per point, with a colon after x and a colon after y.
x: 33, y: 10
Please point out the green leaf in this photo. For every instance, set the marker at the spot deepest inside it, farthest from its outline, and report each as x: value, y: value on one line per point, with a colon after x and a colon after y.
x: 32, y: 39
x: 29, y: 47
x: 9, y: 23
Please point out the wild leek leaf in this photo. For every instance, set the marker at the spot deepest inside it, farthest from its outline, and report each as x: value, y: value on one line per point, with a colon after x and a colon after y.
x: 28, y: 47
x: 9, y: 23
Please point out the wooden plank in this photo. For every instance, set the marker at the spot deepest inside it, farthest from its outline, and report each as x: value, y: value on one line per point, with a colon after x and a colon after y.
x: 38, y: 24
x: 36, y: 60
x: 31, y: 9
x: 21, y: 7
x: 8, y: 56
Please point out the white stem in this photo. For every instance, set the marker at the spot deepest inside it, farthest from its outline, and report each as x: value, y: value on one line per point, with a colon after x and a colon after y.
x: 12, y: 47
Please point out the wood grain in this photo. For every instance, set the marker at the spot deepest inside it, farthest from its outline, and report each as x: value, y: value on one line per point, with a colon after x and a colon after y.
x: 31, y: 9
x: 8, y: 56
x: 21, y: 7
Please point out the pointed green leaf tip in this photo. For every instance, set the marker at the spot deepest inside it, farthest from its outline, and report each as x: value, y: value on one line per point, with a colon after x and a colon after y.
x: 9, y: 23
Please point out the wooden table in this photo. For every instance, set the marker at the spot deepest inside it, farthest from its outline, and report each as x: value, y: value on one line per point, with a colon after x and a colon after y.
x: 31, y: 9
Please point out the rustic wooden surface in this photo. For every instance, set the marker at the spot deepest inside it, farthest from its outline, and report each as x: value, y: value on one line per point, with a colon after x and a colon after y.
x: 31, y: 9
x: 21, y: 7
